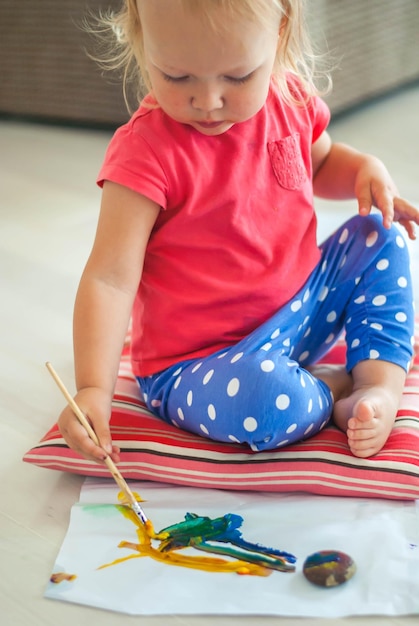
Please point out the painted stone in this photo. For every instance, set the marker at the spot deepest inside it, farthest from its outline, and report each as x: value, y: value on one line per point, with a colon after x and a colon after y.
x: 328, y: 568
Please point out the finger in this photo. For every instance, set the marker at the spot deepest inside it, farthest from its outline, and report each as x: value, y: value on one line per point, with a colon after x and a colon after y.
x: 385, y: 203
x: 409, y: 227
x: 104, y: 435
x: 78, y: 439
x: 364, y: 206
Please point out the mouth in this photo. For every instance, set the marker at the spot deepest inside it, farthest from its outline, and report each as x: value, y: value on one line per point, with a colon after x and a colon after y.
x: 209, y: 124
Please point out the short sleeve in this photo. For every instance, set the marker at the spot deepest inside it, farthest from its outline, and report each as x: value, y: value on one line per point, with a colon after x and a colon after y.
x: 320, y: 117
x: 130, y: 161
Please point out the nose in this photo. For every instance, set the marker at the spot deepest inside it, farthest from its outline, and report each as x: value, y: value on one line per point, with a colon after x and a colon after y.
x: 207, y: 98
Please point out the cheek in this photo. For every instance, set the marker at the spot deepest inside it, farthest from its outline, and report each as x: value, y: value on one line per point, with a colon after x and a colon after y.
x: 248, y: 102
x: 169, y: 97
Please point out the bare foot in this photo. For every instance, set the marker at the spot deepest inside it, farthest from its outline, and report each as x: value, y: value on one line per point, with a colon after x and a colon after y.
x: 367, y: 416
x: 365, y: 403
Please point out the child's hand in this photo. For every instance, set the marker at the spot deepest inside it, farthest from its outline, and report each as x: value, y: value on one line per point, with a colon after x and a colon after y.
x: 96, y: 405
x: 375, y: 187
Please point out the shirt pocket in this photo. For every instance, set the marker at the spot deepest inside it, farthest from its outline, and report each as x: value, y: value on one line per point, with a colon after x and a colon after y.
x: 287, y: 162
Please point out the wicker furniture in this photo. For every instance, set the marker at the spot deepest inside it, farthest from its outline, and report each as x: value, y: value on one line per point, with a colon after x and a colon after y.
x: 45, y: 72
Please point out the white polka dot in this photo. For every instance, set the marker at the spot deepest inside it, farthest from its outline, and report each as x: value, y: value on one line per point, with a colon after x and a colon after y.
x: 212, y: 414
x: 296, y: 306
x: 291, y: 428
x: 308, y: 331
x: 310, y: 406
x: 196, y: 368
x: 357, y: 280
x: 374, y: 354
x: 402, y: 282
x: 302, y: 381
x: 323, y: 424
x: 145, y: 396
x: 287, y: 342
x: 342, y: 263
x: 332, y: 316
x: 282, y: 443
x: 266, y: 347
x: 320, y: 402
x: 382, y: 264
x: 376, y: 326
x: 309, y: 429
x: 359, y: 300
x: 177, y: 372
x: 306, y: 319
x: 177, y: 382
x: 236, y: 357
x: 189, y: 398
x: 204, y: 429
x: 275, y: 334
x: 401, y: 317
x: 155, y: 403
x: 304, y: 355
x: 379, y: 300
x: 355, y: 343
x: 233, y: 387
x: 221, y: 356
x: 250, y: 424
x: 175, y: 424
x: 330, y: 338
x: 180, y: 414
x: 371, y: 239
x: 233, y: 438
x: 323, y: 294
x: 208, y: 377
x: 306, y: 295
x: 344, y: 236
x: 282, y: 402
x: 267, y: 366
x: 400, y: 241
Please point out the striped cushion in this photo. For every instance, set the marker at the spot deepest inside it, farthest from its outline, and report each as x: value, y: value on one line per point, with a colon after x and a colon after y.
x: 156, y: 451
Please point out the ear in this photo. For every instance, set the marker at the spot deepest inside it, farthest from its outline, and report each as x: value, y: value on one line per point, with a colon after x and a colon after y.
x: 282, y: 26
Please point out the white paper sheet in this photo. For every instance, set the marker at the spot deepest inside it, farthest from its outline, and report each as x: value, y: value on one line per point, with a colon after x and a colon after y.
x: 381, y: 536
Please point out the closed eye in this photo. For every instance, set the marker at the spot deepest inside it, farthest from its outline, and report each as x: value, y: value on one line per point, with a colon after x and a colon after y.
x: 174, y: 79
x: 240, y: 80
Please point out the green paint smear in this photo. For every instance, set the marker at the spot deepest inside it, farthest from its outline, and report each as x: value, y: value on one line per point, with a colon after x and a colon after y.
x: 217, y: 536
x: 102, y: 510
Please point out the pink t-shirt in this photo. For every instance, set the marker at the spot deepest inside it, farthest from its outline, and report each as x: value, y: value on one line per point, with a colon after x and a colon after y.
x: 236, y: 236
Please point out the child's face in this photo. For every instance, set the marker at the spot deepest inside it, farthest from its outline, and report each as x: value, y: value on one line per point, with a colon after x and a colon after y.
x: 209, y: 78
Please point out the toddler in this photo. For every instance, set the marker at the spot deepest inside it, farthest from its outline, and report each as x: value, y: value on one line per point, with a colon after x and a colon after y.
x: 207, y: 241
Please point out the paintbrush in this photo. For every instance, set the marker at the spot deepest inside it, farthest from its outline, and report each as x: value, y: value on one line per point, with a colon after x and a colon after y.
x: 116, y: 474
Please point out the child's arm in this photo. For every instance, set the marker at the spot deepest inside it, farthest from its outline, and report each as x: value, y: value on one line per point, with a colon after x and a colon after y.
x: 102, y: 312
x: 341, y: 172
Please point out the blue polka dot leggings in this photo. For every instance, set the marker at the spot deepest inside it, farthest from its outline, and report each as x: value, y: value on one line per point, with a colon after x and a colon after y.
x: 258, y: 391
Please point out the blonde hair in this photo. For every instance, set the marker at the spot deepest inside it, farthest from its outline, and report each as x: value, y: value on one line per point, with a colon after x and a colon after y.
x: 124, y: 49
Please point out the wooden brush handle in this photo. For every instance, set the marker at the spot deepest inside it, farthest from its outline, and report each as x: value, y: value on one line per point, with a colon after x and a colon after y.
x: 116, y: 474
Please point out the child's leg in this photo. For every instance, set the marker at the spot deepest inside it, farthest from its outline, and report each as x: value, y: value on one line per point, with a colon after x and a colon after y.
x: 379, y: 333
x: 259, y: 391
x: 255, y: 396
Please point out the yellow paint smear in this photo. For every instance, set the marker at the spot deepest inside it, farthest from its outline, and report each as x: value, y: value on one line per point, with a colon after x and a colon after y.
x: 145, y: 534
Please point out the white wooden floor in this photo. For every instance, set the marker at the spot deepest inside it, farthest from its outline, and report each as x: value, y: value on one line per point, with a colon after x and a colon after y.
x: 48, y: 210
